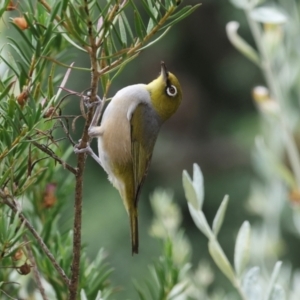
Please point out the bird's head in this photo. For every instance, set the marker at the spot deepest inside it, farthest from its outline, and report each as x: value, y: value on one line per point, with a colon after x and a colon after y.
x: 165, y: 92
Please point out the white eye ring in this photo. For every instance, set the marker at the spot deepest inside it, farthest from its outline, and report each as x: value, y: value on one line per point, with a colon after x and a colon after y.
x: 171, y: 91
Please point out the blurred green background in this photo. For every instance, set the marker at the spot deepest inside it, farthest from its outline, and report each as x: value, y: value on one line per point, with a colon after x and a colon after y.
x: 215, y: 127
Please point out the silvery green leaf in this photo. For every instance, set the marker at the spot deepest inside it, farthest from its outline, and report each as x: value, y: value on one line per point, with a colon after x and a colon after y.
x: 278, y: 293
x: 189, y: 190
x: 250, y: 284
x: 200, y: 220
x: 268, y: 15
x: 221, y: 260
x: 242, y: 248
x: 218, y: 220
x: 273, y: 279
x: 198, y: 184
x: 99, y: 296
x: 83, y: 295
x: 184, y: 270
x: 239, y: 43
x: 245, y: 4
x: 177, y: 290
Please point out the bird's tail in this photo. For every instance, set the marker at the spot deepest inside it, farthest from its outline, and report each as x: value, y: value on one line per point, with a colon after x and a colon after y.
x: 133, y: 215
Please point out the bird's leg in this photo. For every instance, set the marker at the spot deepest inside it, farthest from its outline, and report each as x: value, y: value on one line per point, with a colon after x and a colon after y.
x: 89, y: 151
x: 94, y: 130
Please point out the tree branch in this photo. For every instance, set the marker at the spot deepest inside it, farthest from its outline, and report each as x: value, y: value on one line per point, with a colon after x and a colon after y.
x: 75, y: 266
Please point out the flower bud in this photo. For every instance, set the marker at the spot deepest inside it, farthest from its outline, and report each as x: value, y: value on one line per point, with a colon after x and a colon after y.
x: 272, y: 37
x: 295, y: 197
x: 11, y: 6
x: 18, y: 255
x: 21, y: 22
x: 22, y: 98
x: 50, y: 112
x: 265, y: 103
x: 49, y: 195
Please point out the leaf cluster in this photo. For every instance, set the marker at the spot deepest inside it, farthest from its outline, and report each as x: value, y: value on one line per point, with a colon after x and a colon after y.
x: 33, y: 160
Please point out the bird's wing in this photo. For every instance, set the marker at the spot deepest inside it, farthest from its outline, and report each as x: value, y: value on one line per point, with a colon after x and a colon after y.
x: 144, y: 129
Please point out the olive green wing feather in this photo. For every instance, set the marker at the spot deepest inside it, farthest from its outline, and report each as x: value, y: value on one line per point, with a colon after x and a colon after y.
x: 145, y: 125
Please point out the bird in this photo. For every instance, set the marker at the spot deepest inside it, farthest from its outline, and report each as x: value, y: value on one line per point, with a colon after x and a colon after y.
x: 127, y: 134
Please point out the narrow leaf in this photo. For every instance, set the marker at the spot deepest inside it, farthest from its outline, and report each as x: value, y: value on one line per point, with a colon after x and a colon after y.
x: 127, y: 25
x: 19, y: 50
x: 273, y: 280
x: 218, y: 220
x: 242, y: 248
x: 221, y: 260
x: 83, y: 295
x: 156, y: 40
x: 268, y: 15
x: 198, y: 183
x: 122, y: 32
x: 139, y: 26
x: 124, y: 62
x: 183, y: 16
x: 149, y: 10
x: 250, y: 284
x: 200, y: 221
x: 240, y: 44
x: 6, y: 90
x: 189, y: 190
x: 24, y: 36
x: 278, y: 293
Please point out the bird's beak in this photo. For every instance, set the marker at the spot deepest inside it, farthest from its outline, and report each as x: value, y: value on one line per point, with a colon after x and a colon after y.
x: 164, y: 72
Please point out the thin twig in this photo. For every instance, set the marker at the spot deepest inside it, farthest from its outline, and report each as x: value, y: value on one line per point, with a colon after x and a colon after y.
x: 36, y: 273
x: 10, y: 297
x: 55, y: 157
x: 38, y: 238
x: 66, y: 130
x: 135, y: 49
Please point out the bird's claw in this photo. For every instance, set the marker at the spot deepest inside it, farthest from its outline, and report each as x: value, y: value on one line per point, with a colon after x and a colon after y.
x: 88, y: 104
x: 87, y: 149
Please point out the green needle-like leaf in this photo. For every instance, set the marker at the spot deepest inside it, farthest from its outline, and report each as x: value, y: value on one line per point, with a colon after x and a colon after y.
x: 181, y: 17
x: 122, y: 30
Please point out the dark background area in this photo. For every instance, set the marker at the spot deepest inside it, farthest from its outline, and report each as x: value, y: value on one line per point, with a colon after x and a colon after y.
x: 214, y: 127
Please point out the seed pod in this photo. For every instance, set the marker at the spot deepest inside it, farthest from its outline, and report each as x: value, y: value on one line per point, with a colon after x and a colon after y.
x: 50, y: 112
x: 22, y: 98
x: 21, y: 22
x: 11, y: 6
x: 25, y: 269
x: 18, y: 255
x: 49, y: 195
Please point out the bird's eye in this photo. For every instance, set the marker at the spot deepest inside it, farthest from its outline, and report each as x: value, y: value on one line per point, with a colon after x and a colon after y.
x: 171, y: 91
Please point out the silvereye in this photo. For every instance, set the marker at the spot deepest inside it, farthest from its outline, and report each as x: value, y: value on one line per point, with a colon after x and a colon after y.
x: 127, y: 135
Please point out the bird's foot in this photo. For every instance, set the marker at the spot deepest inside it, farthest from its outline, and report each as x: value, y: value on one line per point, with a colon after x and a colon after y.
x: 87, y: 149
x: 88, y: 104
